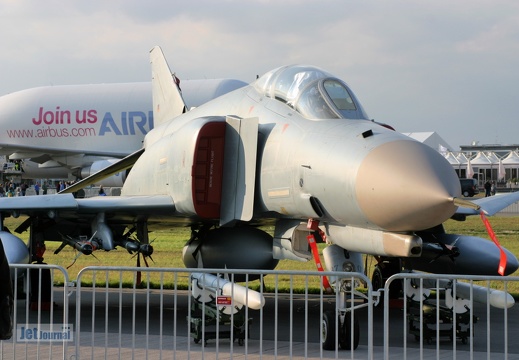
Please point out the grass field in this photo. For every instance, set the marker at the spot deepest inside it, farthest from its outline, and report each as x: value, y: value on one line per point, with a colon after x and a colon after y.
x: 168, y: 249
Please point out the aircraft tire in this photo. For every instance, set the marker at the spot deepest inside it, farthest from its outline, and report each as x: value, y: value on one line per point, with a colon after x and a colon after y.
x: 328, y: 335
x: 380, y: 275
x: 345, y: 337
x: 377, y: 280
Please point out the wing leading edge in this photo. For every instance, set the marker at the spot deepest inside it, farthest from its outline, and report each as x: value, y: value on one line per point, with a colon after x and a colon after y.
x: 63, y: 204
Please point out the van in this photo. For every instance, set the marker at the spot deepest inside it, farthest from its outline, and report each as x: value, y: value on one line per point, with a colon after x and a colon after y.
x: 469, y: 187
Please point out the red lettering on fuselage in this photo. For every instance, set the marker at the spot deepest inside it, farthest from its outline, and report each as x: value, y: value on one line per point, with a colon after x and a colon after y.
x: 60, y: 117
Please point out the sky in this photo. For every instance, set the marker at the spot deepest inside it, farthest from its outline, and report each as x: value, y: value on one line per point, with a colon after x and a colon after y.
x: 446, y: 66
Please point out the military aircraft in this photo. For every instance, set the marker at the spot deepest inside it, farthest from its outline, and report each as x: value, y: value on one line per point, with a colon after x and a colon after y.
x: 295, y: 149
x: 73, y: 131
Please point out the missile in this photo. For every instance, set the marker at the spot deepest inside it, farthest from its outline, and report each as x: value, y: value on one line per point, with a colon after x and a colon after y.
x: 481, y: 294
x: 133, y: 246
x: 146, y: 249
x: 240, y: 294
x: 85, y: 247
x: 496, y: 298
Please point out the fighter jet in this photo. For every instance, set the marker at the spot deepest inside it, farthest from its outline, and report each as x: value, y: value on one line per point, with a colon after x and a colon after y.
x: 295, y: 149
x: 73, y: 131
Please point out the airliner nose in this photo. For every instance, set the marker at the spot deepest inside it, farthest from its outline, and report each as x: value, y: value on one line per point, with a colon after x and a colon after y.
x: 405, y: 185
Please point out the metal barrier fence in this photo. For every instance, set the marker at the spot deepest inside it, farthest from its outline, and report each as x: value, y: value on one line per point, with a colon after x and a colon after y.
x: 451, y: 316
x: 510, y: 210
x: 39, y: 323
x: 136, y: 313
x: 161, y: 319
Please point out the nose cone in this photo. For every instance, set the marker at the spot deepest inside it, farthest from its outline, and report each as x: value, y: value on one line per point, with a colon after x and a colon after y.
x: 405, y: 185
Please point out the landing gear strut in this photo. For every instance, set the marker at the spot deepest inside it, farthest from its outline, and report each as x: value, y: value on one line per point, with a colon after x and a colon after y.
x: 341, y: 326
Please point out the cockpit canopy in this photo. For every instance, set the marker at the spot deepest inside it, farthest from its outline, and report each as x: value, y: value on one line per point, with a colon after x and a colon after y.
x: 312, y: 92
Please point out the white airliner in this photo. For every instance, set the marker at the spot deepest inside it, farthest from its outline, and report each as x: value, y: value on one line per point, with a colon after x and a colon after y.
x: 76, y: 130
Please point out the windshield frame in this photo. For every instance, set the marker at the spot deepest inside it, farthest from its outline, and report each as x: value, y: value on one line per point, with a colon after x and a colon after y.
x: 312, y: 92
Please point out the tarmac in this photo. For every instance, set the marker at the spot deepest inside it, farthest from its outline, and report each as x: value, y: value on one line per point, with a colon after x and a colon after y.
x: 168, y: 347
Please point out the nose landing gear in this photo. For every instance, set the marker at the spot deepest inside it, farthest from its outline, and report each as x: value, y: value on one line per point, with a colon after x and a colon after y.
x: 348, y: 334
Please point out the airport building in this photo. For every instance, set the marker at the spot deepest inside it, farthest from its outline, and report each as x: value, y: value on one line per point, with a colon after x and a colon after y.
x: 492, y: 162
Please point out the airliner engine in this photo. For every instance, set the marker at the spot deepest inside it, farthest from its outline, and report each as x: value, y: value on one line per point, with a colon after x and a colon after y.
x: 116, y: 180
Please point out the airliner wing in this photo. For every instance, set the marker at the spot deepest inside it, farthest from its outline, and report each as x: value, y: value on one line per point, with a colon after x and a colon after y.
x: 116, y: 167
x: 42, y: 154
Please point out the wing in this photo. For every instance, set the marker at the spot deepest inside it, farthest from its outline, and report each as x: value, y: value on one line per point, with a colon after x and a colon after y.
x: 490, y: 205
x: 66, y: 206
x: 105, y: 219
x: 116, y: 167
x: 43, y: 154
x: 64, y: 210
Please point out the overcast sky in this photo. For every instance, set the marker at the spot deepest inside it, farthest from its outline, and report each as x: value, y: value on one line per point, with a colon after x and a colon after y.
x: 445, y: 66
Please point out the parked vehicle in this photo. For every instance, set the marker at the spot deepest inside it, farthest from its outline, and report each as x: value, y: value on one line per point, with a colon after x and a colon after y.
x: 469, y: 187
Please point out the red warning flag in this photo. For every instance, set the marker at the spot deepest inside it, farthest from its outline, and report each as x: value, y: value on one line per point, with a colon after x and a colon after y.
x: 317, y: 259
x: 502, y: 259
